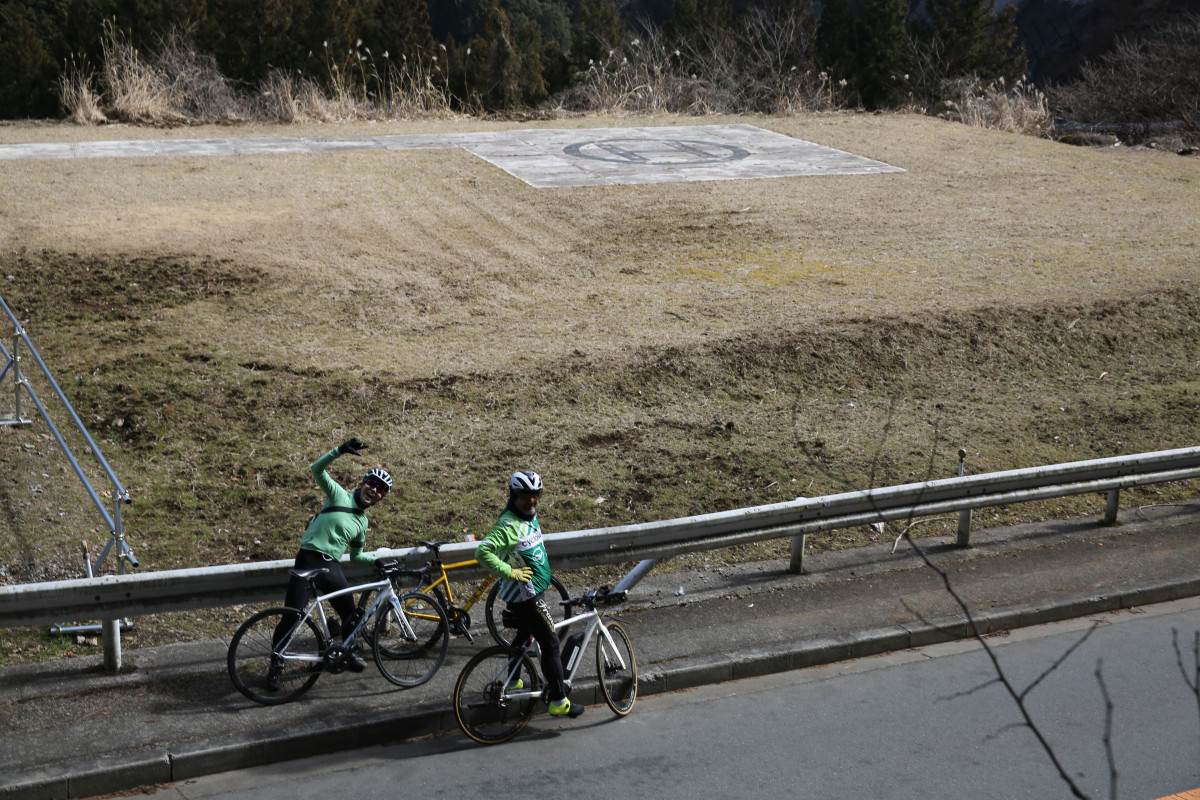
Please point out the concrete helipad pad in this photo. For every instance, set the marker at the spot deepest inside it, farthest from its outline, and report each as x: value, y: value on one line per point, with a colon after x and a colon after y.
x: 600, y: 156
x: 543, y: 158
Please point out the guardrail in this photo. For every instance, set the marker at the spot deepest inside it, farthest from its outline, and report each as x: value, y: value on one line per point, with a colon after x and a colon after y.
x: 114, y: 596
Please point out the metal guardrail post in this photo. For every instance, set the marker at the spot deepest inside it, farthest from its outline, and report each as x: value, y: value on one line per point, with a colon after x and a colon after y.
x: 1112, y: 506
x: 111, y: 628
x: 796, y: 564
x: 964, y: 516
x: 111, y: 638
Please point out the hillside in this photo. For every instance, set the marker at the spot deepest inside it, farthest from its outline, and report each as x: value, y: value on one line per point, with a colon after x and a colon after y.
x: 654, y: 350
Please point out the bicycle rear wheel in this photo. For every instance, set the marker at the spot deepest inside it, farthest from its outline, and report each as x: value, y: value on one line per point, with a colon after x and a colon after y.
x: 270, y: 676
x: 494, y: 614
x: 617, y: 669
x: 410, y: 642
x: 481, y: 705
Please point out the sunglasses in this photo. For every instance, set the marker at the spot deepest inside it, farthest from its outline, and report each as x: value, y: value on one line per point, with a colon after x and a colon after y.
x: 377, y: 485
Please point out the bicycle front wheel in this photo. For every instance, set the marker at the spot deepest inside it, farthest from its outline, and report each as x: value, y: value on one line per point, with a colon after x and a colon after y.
x: 482, y: 706
x: 495, y: 610
x: 271, y: 675
x: 617, y: 669
x: 410, y: 642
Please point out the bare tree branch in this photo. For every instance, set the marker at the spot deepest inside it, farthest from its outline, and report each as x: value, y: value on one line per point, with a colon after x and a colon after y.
x: 1017, y: 697
x: 1193, y: 680
x: 1061, y: 659
x: 1108, y: 728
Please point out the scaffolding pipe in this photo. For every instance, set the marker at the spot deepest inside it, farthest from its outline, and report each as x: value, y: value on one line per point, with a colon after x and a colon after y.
x: 20, y: 330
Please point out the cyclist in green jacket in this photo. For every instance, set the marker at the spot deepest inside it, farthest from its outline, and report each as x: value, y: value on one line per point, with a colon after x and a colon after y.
x: 340, y: 525
x: 514, y: 551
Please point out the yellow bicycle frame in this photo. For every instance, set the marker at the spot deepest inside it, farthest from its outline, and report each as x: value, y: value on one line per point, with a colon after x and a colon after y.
x: 444, y: 580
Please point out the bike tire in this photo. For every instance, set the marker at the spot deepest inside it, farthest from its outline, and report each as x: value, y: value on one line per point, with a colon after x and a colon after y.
x: 495, y: 623
x: 252, y: 652
x: 618, y: 677
x: 404, y: 648
x: 482, y: 711
x: 410, y: 642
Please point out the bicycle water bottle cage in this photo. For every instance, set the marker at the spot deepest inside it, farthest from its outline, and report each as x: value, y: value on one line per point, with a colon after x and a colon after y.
x: 309, y: 574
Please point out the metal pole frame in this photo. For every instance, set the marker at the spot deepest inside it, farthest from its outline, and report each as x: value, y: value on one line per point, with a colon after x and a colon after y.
x: 14, y: 363
x: 111, y: 628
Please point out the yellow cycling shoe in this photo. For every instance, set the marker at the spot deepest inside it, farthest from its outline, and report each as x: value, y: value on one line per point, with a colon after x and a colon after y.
x: 564, y: 708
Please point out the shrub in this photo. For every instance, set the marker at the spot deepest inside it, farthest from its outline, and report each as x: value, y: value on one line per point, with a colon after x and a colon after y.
x: 1140, y: 85
x: 766, y: 64
x: 1021, y: 109
x: 177, y: 85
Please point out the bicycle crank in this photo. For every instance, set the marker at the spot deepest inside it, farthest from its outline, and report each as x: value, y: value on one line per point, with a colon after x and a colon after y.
x: 460, y: 622
x: 335, y: 660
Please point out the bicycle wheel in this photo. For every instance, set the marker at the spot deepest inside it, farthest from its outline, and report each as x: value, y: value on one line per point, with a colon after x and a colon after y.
x: 617, y: 670
x: 272, y: 677
x: 420, y: 608
x: 495, y: 615
x: 411, y: 642
x: 481, y: 706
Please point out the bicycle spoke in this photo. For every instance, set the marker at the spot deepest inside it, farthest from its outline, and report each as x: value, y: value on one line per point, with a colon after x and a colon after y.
x: 616, y: 668
x: 482, y: 704
x: 271, y: 675
x: 411, y: 640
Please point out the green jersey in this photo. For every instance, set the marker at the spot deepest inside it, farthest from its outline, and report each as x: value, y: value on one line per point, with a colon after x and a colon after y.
x: 514, y: 542
x: 334, y: 532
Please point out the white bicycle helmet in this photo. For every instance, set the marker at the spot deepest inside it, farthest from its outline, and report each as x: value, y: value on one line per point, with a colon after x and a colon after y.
x: 525, y: 480
x: 380, y: 475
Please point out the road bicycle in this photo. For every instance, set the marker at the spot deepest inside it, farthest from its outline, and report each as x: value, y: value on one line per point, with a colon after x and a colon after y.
x: 436, y: 582
x: 499, y: 689
x: 409, y: 637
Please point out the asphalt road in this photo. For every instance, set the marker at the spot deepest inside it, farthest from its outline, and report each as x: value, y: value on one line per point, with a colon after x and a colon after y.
x: 921, y: 724
x: 72, y: 731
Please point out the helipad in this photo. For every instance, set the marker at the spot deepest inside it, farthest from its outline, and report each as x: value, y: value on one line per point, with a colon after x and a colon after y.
x: 542, y: 158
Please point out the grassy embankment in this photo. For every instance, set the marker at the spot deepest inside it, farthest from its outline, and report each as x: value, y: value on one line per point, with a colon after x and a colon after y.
x: 655, y: 351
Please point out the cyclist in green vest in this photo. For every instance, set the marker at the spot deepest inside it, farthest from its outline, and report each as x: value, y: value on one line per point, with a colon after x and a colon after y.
x: 340, y: 525
x: 514, y: 551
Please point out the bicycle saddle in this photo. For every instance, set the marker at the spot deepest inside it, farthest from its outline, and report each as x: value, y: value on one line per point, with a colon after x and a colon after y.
x: 432, y: 545
x: 308, y: 574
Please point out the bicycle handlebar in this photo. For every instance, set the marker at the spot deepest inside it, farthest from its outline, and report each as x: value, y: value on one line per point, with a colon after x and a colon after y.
x: 389, y: 569
x: 602, y: 595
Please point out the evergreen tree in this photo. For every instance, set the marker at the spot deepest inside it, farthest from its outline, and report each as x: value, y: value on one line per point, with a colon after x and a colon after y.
x: 551, y: 19
x: 398, y: 27
x: 837, y: 39
x: 879, y: 75
x: 597, y: 30
x: 501, y: 70
x: 695, y: 18
x: 27, y: 64
x: 969, y: 37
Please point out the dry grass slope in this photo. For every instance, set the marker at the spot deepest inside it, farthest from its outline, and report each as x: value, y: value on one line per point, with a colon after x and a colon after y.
x: 653, y: 350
